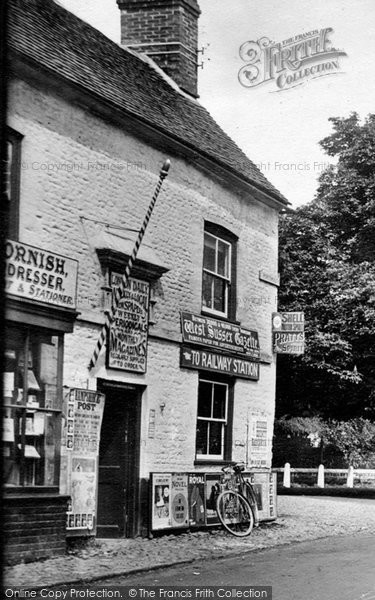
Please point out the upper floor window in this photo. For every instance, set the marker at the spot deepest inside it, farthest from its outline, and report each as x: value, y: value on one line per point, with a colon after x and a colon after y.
x: 218, y: 289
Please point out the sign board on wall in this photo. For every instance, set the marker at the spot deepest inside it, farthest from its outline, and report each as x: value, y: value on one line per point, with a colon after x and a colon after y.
x: 83, y: 414
x: 127, y: 340
x: 161, y: 500
x: 259, y: 440
x: 220, y: 363
x: 288, y: 332
x: 196, y: 495
x: 220, y: 335
x: 35, y: 274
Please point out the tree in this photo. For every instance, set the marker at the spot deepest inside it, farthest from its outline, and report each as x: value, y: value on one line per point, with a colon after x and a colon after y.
x: 327, y: 268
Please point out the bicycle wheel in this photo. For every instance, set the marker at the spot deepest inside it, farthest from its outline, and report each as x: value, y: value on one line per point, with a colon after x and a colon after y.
x: 235, y: 513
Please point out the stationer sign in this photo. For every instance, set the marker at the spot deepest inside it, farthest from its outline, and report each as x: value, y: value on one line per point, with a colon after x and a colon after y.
x: 220, y: 335
x: 288, y: 332
x: 35, y: 274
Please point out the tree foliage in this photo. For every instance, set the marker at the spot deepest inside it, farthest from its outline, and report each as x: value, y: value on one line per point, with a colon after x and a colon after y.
x: 327, y: 268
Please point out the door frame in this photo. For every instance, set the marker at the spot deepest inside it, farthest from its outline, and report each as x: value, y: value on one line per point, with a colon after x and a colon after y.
x: 132, y: 502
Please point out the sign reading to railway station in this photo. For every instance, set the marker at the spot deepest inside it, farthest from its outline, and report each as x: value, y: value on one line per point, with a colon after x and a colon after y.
x: 219, y: 363
x: 220, y: 335
x: 288, y: 331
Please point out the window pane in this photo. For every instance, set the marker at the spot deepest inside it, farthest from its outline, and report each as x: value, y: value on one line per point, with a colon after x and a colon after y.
x: 223, y: 259
x: 220, y: 397
x: 209, y: 254
x: 31, y: 437
x: 204, y: 399
x: 219, y: 303
x: 215, y: 438
x: 207, y: 290
x: 202, y: 431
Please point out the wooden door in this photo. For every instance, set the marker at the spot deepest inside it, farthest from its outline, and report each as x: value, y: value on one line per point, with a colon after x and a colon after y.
x: 118, y: 504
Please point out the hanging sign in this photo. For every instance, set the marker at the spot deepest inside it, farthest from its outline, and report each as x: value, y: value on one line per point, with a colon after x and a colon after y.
x: 83, y: 414
x: 127, y: 340
x: 288, y: 332
x: 220, y: 335
x: 35, y: 274
x: 219, y: 363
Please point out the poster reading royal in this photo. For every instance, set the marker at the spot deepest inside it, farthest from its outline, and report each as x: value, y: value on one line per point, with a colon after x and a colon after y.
x: 82, y: 419
x: 127, y: 340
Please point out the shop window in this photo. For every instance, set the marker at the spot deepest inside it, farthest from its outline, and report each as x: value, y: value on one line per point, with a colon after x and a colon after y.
x: 32, y: 406
x: 218, y: 286
x: 212, y: 420
x: 12, y: 173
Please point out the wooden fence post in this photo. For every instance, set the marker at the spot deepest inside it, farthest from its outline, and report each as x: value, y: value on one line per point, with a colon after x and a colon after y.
x: 286, y: 478
x: 350, y: 478
x: 321, y: 476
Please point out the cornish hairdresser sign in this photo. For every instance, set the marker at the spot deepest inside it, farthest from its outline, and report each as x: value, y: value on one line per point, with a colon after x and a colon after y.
x: 127, y: 342
x: 35, y: 274
x: 219, y: 363
x: 219, y: 335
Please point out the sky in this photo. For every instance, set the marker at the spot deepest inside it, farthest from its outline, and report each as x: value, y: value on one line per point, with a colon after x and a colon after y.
x: 278, y: 128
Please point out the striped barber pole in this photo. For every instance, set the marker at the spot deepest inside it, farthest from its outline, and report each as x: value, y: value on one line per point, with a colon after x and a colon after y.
x: 119, y: 291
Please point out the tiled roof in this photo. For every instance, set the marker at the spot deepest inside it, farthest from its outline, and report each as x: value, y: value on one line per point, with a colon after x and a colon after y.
x: 57, y: 40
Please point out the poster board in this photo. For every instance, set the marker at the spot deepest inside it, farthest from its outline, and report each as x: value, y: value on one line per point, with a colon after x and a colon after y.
x: 81, y: 425
x: 127, y: 339
x: 259, y: 440
x: 264, y: 485
x: 196, y: 497
x: 161, y: 484
x: 212, y: 489
x: 179, y: 500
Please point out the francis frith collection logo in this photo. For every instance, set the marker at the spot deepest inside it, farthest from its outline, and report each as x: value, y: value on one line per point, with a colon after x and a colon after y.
x: 291, y: 62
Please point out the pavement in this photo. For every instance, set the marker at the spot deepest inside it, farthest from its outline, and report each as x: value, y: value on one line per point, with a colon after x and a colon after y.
x: 300, y: 518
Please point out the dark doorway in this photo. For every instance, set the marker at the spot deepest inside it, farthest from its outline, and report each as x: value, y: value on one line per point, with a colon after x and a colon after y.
x: 118, y: 490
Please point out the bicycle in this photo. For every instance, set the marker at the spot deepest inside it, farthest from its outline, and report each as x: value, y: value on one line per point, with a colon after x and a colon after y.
x: 236, y: 504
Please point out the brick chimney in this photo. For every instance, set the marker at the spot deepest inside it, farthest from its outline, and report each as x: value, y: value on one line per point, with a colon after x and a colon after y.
x: 167, y: 31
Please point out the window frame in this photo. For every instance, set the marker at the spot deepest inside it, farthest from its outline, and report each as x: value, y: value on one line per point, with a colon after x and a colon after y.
x: 12, y: 195
x: 226, y: 441
x: 225, y: 236
x: 20, y: 410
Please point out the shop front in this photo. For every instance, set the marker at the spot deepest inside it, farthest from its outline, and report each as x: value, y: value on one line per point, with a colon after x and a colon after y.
x: 40, y: 310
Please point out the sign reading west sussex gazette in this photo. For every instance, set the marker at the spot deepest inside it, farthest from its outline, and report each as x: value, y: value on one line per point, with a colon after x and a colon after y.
x: 221, y: 335
x: 35, y: 274
x: 127, y: 340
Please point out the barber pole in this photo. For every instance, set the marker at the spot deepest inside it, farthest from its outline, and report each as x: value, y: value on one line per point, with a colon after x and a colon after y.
x: 119, y: 291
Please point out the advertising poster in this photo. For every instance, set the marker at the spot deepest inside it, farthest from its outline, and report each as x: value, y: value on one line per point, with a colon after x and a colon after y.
x: 264, y: 486
x: 161, y: 500
x: 82, y: 419
x: 259, y: 440
x: 196, y: 497
x: 212, y: 492
x: 127, y: 341
x: 179, y: 500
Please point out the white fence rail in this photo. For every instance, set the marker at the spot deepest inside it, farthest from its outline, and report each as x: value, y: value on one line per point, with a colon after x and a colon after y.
x: 350, y: 475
